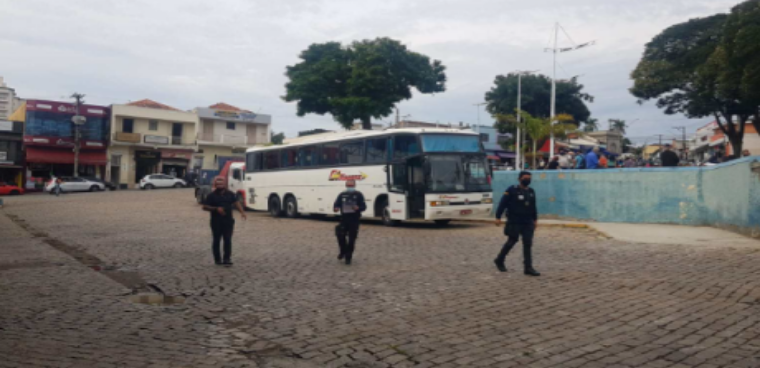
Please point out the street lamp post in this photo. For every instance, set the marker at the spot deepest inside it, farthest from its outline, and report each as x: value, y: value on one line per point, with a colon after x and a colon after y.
x: 78, y: 121
x: 477, y: 108
x: 518, y: 150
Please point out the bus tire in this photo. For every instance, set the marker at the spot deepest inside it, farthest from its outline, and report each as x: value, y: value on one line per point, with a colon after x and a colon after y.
x: 275, y: 209
x: 386, y: 216
x: 442, y: 223
x: 291, y: 207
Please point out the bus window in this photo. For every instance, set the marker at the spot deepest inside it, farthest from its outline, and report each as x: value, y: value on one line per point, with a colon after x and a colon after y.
x: 250, y: 158
x: 405, y: 146
x: 289, y: 158
x: 271, y: 160
x: 330, y: 154
x: 376, y: 150
x: 451, y: 143
x: 352, y: 153
x: 257, y: 161
x: 307, y: 156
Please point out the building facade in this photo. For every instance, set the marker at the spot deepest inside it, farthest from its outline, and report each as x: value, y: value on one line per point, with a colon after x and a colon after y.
x: 612, y: 140
x: 11, y: 153
x: 49, y: 140
x: 148, y: 137
x: 226, y: 131
x: 8, y: 101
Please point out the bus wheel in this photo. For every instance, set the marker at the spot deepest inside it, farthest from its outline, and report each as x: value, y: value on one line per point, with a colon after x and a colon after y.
x: 387, y: 220
x: 291, y: 207
x: 274, y: 207
x: 442, y: 223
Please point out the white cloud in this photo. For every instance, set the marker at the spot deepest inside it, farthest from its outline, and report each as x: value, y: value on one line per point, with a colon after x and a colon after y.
x: 189, y: 53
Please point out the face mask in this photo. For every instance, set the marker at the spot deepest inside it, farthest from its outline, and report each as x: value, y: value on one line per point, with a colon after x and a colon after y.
x: 351, y: 189
x: 525, y: 182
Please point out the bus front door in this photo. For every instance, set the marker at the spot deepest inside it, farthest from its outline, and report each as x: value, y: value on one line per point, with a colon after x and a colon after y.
x: 416, y: 196
x: 398, y: 190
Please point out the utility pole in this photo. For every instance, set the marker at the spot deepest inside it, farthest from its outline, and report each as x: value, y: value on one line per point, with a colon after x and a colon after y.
x: 683, y: 142
x: 397, y: 118
x: 78, y: 121
x: 518, y: 150
x: 554, y: 51
x: 477, y: 107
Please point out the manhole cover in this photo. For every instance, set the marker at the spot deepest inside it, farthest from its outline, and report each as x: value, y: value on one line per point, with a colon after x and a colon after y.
x: 156, y: 299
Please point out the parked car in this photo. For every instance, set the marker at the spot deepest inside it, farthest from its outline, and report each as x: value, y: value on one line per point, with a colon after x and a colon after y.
x: 10, y: 189
x: 108, y: 184
x: 72, y: 184
x: 154, y: 181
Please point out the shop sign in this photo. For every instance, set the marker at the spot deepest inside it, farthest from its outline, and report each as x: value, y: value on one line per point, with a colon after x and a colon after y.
x: 226, y: 114
x: 248, y: 116
x: 179, y: 155
x: 157, y: 139
x: 147, y: 155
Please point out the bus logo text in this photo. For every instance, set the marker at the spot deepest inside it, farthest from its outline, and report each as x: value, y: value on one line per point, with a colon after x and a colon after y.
x: 336, y: 175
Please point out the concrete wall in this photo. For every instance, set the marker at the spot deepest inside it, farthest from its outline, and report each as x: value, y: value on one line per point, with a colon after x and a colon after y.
x: 725, y: 196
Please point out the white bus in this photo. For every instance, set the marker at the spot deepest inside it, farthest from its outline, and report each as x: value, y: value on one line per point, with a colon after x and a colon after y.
x: 404, y: 174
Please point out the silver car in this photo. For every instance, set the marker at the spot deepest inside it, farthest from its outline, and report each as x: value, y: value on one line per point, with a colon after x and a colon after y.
x: 72, y: 184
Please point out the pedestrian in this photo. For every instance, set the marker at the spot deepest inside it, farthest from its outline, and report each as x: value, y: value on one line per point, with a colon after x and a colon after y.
x: 220, y: 203
x: 564, y: 160
x: 603, y: 161
x: 745, y: 153
x: 669, y: 158
x: 350, y: 204
x: 519, y: 203
x: 580, y: 161
x: 629, y: 163
x: 554, y: 164
x: 592, y: 159
x: 57, y: 187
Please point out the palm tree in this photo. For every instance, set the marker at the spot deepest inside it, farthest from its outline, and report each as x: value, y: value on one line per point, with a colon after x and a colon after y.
x: 591, y: 125
x: 618, y: 124
x: 541, y: 128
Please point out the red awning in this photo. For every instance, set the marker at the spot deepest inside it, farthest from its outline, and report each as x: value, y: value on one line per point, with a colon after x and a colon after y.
x: 64, y: 156
x: 557, y: 146
x: 492, y: 157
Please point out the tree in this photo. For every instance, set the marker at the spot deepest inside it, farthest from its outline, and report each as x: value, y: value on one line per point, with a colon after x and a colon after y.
x: 536, y: 96
x: 706, y: 67
x: 277, y: 138
x: 618, y: 125
x: 591, y: 125
x: 538, y: 129
x: 362, y: 81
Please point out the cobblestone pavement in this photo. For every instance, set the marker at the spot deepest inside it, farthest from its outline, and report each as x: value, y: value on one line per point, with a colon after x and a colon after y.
x: 416, y: 296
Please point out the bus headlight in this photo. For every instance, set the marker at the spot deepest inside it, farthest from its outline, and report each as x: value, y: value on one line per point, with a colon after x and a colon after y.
x: 439, y: 203
x: 487, y: 200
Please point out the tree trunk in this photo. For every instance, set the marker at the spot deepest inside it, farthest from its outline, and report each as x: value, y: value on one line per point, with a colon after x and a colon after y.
x: 366, y: 123
x: 534, y: 155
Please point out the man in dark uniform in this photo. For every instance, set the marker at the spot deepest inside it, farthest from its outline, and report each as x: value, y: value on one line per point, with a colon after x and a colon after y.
x: 350, y: 204
x: 220, y: 203
x: 519, y: 201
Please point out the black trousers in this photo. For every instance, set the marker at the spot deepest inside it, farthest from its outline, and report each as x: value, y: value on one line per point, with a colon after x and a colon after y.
x: 514, y: 232
x: 347, y: 231
x: 222, y: 229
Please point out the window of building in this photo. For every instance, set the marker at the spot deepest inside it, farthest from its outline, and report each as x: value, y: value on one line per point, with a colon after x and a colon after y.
x: 48, y: 124
x: 230, y: 125
x: 128, y: 125
x: 484, y: 137
x: 153, y: 125
x: 330, y: 154
x: 271, y: 160
x: 308, y: 156
x: 377, y: 150
x: 405, y: 146
x: 115, y: 160
x: 289, y: 157
x: 352, y: 153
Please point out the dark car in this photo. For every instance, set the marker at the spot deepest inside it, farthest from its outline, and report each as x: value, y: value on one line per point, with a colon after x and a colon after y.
x: 108, y: 184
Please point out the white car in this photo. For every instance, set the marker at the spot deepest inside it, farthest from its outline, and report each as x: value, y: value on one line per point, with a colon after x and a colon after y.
x: 72, y: 184
x: 154, y: 181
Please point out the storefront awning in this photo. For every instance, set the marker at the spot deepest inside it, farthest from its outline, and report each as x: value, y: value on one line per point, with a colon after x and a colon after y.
x: 64, y: 156
x: 492, y: 157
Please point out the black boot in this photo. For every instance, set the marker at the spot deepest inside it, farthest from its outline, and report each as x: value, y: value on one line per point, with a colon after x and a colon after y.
x: 531, y: 272
x: 341, y: 256
x: 500, y: 265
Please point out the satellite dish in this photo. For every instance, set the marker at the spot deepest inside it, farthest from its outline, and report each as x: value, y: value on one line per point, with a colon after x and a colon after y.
x: 79, y: 120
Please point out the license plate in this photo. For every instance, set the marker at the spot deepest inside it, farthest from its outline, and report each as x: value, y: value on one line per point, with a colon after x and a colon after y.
x: 465, y: 212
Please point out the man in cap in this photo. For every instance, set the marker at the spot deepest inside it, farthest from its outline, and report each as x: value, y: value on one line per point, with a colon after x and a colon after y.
x: 220, y: 203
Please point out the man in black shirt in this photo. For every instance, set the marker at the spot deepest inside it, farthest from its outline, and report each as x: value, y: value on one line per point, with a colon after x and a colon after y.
x: 519, y: 202
x: 220, y: 203
x: 669, y: 158
x: 350, y: 204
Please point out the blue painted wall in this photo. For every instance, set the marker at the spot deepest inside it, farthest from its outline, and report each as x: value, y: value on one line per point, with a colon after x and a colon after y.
x: 726, y: 195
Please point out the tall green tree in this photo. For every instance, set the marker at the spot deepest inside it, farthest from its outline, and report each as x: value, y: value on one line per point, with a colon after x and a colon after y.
x: 591, y: 125
x: 361, y: 81
x: 538, y: 129
x: 536, y: 96
x: 706, y: 67
x: 277, y: 138
x: 618, y: 124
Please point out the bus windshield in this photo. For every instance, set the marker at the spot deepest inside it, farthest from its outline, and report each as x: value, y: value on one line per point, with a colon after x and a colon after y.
x: 451, y: 143
x: 457, y: 173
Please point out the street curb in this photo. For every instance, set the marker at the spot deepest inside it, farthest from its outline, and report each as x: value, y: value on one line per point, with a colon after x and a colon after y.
x: 565, y: 226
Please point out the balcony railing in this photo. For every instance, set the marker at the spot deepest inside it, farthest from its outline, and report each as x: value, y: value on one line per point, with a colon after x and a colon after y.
x: 233, y: 140
x: 177, y: 141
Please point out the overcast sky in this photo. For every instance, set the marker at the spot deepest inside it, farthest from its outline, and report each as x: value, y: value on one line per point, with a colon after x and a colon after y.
x: 189, y: 53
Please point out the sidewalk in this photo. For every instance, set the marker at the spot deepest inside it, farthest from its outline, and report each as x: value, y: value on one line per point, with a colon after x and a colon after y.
x: 658, y: 234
